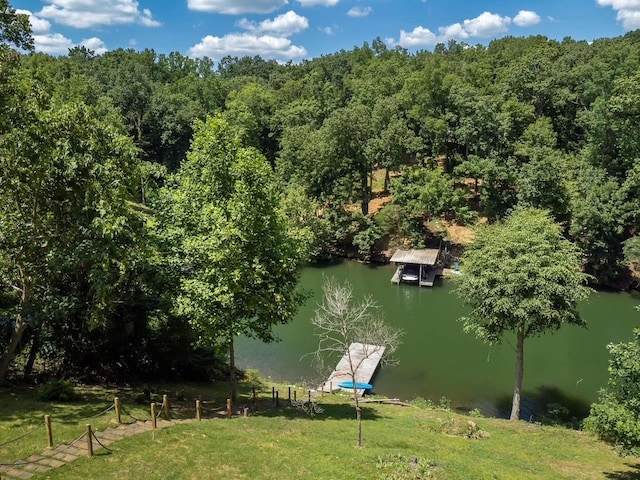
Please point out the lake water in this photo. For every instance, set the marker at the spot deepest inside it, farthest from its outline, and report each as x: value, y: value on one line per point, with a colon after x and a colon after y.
x: 437, y: 359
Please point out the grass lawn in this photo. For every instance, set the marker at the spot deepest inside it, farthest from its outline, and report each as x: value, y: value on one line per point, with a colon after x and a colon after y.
x: 399, y: 442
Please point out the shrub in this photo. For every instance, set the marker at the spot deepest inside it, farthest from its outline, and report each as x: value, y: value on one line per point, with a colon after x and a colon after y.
x: 445, y: 403
x: 615, y: 418
x: 400, y: 467
x: 58, y: 391
x: 422, y: 403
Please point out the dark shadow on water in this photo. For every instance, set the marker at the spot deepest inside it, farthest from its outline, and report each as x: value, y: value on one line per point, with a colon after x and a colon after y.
x: 626, y: 475
x: 546, y: 405
x: 327, y: 263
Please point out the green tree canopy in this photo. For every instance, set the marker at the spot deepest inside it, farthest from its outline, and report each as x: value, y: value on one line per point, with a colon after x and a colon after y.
x: 521, y: 276
x: 65, y: 185
x: 616, y: 415
x: 240, y: 266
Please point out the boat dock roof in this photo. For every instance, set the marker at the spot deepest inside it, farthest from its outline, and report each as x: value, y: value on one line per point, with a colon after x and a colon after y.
x: 424, y: 256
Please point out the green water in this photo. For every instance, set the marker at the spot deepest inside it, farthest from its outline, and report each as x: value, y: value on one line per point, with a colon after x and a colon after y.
x: 437, y: 359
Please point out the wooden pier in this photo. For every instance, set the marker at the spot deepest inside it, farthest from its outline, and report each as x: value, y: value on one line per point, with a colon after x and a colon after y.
x: 365, y: 360
x: 429, y: 277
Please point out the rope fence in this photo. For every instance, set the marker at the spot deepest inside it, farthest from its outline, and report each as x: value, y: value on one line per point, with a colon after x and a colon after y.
x: 293, y: 397
x: 100, y: 443
x: 34, y: 429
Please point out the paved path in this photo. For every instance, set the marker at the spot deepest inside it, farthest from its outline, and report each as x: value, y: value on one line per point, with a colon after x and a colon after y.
x: 62, y: 454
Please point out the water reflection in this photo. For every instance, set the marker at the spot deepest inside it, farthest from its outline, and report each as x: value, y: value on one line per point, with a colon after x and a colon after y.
x: 437, y: 359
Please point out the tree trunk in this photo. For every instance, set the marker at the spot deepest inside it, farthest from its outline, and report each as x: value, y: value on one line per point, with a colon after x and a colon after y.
x: 364, y: 183
x: 359, y: 417
x: 517, y: 389
x: 35, y: 347
x: 7, y: 357
x: 232, y: 368
x: 386, y: 180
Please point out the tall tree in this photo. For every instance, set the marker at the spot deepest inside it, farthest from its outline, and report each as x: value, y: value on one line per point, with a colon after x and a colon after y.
x: 64, y: 187
x: 241, y: 267
x: 521, y: 276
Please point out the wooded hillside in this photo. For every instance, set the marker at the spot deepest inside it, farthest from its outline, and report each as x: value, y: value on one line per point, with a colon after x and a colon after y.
x: 460, y: 133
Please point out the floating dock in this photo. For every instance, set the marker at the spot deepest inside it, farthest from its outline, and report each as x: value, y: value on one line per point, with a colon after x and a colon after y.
x: 365, y: 359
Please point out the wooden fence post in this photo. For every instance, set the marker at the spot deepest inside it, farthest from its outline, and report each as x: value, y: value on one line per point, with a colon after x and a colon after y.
x: 153, y: 415
x: 309, y: 396
x: 165, y: 406
x: 273, y: 393
x: 198, y: 410
x: 47, y: 422
x: 116, y: 402
x: 246, y: 412
x: 289, y: 394
x: 255, y: 399
x: 295, y: 394
x: 277, y: 399
x: 89, y: 441
x: 228, y: 408
x: 331, y: 386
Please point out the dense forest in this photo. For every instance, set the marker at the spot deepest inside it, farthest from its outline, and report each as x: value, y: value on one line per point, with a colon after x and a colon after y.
x: 104, y: 170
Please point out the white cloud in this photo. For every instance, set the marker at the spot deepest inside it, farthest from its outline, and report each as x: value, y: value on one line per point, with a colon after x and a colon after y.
x: 325, y: 3
x: 95, y: 44
x: 240, y: 44
x: 147, y: 20
x: 359, y: 11
x: 90, y: 13
x: 285, y: 25
x: 526, y: 18
x: 486, y: 25
x: 628, y: 12
x: 52, y: 43
x: 55, y: 43
x: 327, y: 30
x: 453, y: 31
x: 418, y: 37
x: 236, y: 7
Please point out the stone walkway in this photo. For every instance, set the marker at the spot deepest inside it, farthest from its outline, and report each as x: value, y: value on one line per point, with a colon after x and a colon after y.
x: 62, y: 454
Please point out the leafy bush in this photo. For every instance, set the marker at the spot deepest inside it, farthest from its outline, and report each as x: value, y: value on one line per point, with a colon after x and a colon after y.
x: 557, y: 414
x: 445, y: 403
x: 399, y: 467
x: 369, y: 233
x: 58, y: 391
x: 615, y: 418
x: 252, y: 378
x: 422, y: 403
x: 476, y: 413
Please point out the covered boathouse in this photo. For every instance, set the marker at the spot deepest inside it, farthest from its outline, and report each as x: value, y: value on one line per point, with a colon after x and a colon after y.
x: 419, y: 266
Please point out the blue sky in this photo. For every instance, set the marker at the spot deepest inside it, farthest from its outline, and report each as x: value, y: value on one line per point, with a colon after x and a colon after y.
x: 298, y: 29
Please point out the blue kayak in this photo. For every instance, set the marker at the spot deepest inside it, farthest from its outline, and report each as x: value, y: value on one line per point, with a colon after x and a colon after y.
x: 359, y: 385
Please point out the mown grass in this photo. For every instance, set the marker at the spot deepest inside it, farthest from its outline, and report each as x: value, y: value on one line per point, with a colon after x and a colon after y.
x: 22, y: 412
x: 277, y: 443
